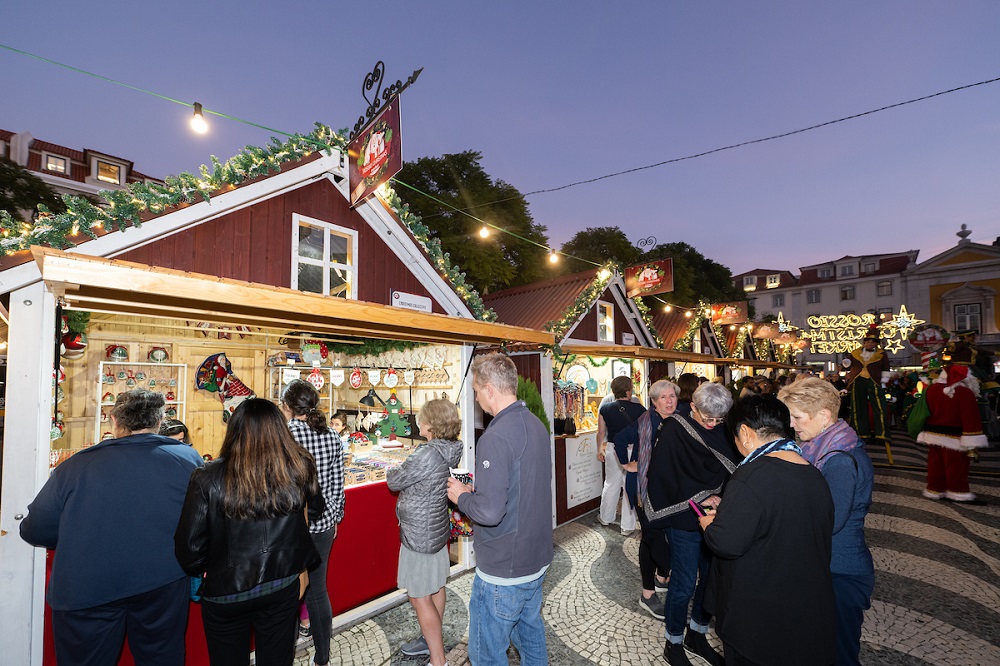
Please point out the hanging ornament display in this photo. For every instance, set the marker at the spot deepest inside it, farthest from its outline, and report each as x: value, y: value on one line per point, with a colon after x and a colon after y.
x: 73, y: 345
x: 409, y: 376
x: 337, y: 376
x: 116, y: 353
x: 157, y: 355
x: 356, y: 378
x: 316, y: 379
x: 374, y: 377
x: 391, y: 378
x: 215, y: 374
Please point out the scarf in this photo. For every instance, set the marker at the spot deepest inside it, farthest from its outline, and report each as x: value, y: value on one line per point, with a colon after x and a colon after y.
x: 645, y: 424
x: 776, y: 445
x: 837, y: 437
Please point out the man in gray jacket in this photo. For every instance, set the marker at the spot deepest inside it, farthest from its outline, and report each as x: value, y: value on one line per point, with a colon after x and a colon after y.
x: 511, y: 508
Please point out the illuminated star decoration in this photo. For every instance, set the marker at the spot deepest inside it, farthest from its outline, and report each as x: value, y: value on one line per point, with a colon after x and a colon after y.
x: 785, y: 326
x: 901, y: 323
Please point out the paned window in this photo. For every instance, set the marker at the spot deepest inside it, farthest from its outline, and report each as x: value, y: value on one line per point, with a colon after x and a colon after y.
x: 847, y: 270
x: 324, y: 258
x: 605, y: 322
x: 812, y: 296
x: 825, y: 272
x: 869, y: 268
x: 778, y: 301
x: 57, y: 164
x: 968, y: 316
x: 773, y: 280
x: 847, y: 293
x: 884, y: 288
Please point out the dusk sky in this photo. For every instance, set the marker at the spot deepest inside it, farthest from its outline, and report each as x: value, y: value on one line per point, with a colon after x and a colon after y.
x: 556, y: 92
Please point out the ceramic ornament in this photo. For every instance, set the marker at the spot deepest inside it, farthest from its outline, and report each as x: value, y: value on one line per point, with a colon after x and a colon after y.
x: 374, y: 377
x: 116, y: 353
x: 356, y: 378
x: 316, y: 379
x: 391, y: 378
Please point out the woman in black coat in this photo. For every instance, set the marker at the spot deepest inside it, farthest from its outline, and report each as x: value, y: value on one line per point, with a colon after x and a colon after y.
x: 770, y: 587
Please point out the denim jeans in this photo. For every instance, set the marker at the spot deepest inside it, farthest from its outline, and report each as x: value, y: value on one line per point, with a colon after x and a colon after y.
x: 500, y: 614
x: 688, y: 559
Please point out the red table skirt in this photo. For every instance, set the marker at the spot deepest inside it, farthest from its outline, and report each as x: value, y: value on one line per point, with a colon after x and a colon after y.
x: 362, y: 567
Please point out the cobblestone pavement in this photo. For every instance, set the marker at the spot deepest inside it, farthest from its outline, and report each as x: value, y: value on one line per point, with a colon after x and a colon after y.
x: 936, y: 601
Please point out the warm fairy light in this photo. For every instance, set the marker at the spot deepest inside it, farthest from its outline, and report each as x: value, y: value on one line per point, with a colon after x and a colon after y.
x: 688, y: 314
x: 198, y: 123
x: 732, y: 327
x: 604, y: 274
x: 484, y: 232
x: 553, y: 257
x: 667, y: 308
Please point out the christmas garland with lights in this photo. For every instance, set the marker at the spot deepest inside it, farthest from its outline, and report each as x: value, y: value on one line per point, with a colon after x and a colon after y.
x: 127, y: 207
x: 686, y: 341
x: 647, y: 318
x: 579, y: 307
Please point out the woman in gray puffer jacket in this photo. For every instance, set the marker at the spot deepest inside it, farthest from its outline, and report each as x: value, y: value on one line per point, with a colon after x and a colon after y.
x: 424, y: 526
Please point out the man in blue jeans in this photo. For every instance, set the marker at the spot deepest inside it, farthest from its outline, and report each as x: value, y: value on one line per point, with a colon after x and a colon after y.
x: 511, y: 508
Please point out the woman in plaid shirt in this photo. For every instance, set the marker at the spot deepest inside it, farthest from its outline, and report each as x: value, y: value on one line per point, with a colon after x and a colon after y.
x: 300, y: 402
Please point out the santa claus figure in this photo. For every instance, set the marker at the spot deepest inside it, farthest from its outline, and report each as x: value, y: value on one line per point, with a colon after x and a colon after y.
x: 952, y: 430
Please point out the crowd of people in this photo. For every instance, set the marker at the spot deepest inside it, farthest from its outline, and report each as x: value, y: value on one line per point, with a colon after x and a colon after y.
x: 751, y: 505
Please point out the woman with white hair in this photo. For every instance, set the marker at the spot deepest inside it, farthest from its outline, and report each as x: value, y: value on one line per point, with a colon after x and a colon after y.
x: 691, y: 461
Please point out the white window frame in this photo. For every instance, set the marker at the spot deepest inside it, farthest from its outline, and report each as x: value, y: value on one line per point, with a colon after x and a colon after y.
x: 95, y: 171
x: 848, y: 289
x: 871, y: 267
x: 325, y: 263
x: 749, y: 280
x: 846, y: 270
x: 67, y: 163
x: 777, y: 300
x: 967, y: 316
x: 817, y: 292
x: 609, y: 309
x: 883, y: 288
x: 773, y: 281
x: 825, y: 272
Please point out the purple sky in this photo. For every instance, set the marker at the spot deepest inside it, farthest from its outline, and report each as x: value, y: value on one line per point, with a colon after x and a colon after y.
x: 553, y: 93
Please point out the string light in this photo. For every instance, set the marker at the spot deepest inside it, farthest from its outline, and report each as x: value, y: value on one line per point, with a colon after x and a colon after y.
x: 688, y: 314
x: 198, y: 123
x: 668, y: 308
x: 604, y: 274
x: 553, y: 257
x: 484, y: 232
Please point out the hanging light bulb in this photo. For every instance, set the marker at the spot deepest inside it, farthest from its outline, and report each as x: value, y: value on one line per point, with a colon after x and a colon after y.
x: 604, y: 274
x: 553, y: 257
x: 484, y: 232
x: 688, y: 314
x: 667, y: 308
x: 198, y: 123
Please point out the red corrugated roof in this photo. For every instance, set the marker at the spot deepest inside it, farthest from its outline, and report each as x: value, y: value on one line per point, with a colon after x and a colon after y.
x: 534, y: 305
x: 670, y: 325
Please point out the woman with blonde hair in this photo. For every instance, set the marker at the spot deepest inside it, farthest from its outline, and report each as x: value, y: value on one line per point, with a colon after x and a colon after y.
x: 835, y: 449
x: 424, y: 526
x: 249, y: 507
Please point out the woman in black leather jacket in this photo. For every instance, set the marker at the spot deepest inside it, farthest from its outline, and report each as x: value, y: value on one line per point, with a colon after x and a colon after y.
x: 244, y: 527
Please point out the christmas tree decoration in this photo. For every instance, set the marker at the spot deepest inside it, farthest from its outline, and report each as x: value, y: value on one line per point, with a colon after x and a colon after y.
x: 393, y: 422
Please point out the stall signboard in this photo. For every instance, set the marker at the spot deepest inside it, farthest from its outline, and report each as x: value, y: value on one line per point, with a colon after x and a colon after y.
x: 652, y: 277
x: 842, y: 334
x: 584, y: 480
x: 401, y: 299
x: 724, y: 314
x: 375, y: 155
x: 928, y: 338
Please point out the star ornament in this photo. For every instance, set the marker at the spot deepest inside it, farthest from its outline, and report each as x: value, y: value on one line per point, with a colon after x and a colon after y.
x: 904, y: 321
x: 785, y: 325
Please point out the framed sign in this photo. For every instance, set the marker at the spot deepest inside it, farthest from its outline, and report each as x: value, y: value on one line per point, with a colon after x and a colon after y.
x: 375, y: 155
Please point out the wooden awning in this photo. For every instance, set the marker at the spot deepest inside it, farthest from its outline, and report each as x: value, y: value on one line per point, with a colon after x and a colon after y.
x: 631, y: 351
x: 120, y: 287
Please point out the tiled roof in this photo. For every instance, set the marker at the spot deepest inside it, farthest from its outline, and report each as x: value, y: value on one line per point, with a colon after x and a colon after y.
x: 536, y: 304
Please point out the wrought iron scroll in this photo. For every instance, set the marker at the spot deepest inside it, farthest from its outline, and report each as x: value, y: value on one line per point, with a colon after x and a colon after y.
x: 648, y: 242
x: 373, y: 80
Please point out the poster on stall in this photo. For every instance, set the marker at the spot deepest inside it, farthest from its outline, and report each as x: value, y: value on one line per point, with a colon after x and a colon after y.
x: 724, y: 314
x: 375, y: 155
x: 584, y: 480
x: 652, y: 277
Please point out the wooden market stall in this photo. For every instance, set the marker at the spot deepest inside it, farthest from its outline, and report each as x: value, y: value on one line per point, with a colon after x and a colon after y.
x: 600, y: 333
x: 224, y: 285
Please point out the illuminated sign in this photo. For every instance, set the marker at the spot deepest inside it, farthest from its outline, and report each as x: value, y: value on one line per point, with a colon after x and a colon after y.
x: 842, y: 334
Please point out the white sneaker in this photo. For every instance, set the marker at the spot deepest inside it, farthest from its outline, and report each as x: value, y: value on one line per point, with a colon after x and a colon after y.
x: 606, y: 523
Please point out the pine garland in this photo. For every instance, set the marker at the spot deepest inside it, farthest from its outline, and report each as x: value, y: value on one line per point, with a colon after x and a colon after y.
x: 582, y: 304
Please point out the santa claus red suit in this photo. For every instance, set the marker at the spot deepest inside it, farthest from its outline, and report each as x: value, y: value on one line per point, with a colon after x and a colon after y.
x: 952, y: 430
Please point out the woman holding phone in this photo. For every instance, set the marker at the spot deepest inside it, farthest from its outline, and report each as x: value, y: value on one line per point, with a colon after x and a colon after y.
x: 771, y: 535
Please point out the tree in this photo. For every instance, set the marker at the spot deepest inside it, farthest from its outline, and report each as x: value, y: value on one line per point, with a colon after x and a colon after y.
x: 599, y: 245
x: 21, y: 191
x: 458, y: 180
x: 696, y: 277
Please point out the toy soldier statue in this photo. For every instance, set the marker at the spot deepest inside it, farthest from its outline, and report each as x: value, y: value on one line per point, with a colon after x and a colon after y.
x: 866, y: 376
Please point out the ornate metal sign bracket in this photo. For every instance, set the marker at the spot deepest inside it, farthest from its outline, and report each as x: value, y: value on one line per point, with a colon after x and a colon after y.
x: 373, y: 80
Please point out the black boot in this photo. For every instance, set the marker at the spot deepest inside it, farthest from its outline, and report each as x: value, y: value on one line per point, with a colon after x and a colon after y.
x: 675, y: 655
x: 697, y: 643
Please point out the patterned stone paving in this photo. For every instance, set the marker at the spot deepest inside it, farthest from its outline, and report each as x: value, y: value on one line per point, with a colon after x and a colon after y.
x: 936, y: 601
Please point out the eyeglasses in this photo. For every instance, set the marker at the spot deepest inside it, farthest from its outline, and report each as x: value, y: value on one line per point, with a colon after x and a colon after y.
x: 712, y: 422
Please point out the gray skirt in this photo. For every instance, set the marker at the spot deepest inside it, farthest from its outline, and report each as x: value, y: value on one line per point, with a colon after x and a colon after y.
x: 422, y: 574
